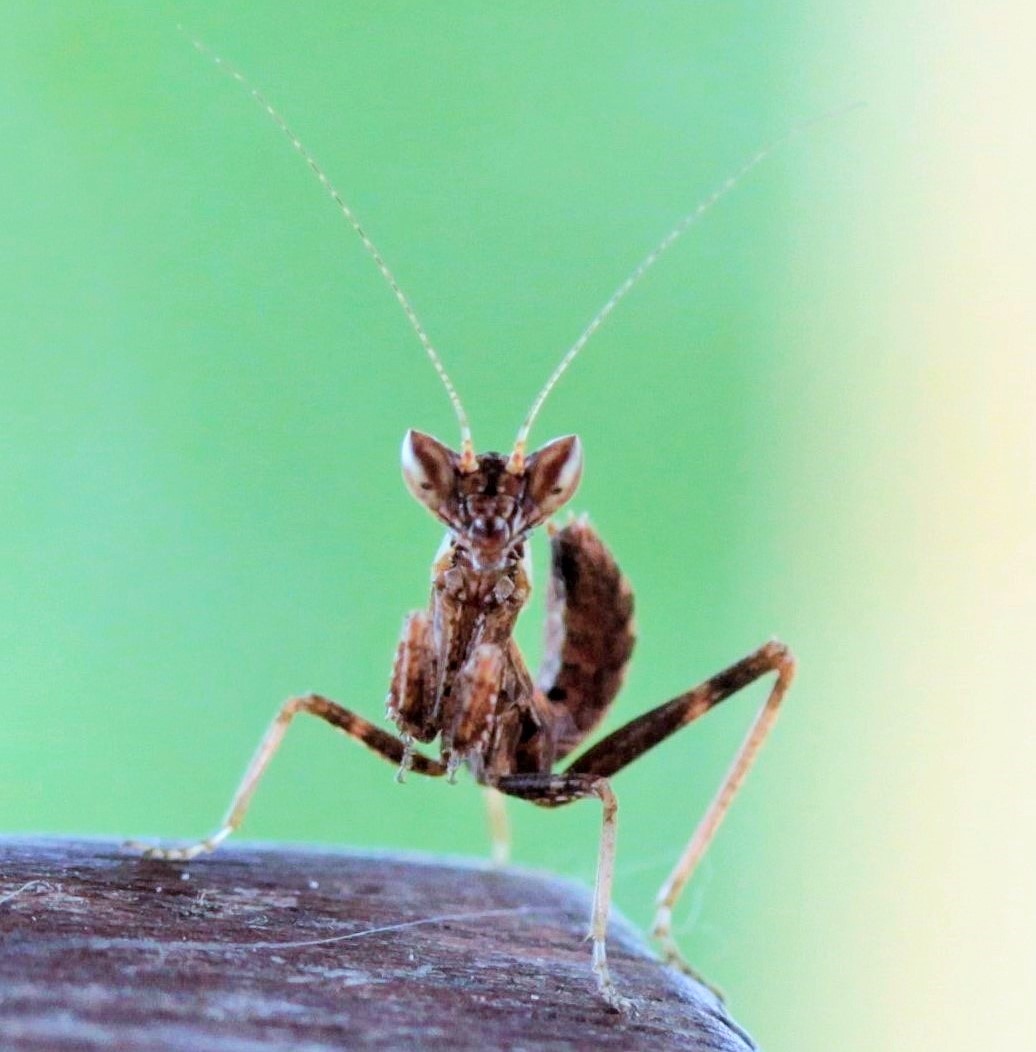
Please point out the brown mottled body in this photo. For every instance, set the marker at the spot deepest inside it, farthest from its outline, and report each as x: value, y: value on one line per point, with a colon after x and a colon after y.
x: 474, y: 687
x: 589, y: 635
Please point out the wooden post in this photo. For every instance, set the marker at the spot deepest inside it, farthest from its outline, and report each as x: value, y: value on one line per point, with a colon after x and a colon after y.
x: 259, y: 948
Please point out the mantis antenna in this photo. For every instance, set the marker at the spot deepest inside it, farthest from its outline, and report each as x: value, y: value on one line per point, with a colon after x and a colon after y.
x: 516, y: 462
x: 467, y: 457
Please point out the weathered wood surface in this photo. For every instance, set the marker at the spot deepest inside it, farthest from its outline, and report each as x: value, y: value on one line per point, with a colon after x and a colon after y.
x: 271, y: 948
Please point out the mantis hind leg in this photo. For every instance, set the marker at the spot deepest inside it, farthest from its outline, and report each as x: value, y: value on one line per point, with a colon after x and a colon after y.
x: 381, y: 742
x: 499, y: 826
x: 626, y: 744
x: 556, y: 790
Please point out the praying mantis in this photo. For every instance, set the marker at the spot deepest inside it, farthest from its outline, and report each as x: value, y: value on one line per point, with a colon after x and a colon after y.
x: 458, y: 677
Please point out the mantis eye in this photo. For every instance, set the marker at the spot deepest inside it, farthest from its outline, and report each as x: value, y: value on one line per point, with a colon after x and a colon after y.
x: 428, y: 469
x: 553, y: 473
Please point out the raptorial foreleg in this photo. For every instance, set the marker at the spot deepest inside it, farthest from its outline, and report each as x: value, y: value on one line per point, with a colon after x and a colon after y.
x: 411, y: 696
x: 469, y: 720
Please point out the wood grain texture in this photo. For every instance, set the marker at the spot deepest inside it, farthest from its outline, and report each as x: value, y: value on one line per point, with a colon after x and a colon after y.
x: 259, y: 948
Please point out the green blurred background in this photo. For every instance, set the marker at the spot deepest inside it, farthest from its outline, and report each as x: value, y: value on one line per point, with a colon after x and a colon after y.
x: 813, y: 420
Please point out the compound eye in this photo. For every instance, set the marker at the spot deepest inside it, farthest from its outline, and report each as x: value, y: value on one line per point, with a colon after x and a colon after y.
x: 553, y: 473
x: 428, y: 470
